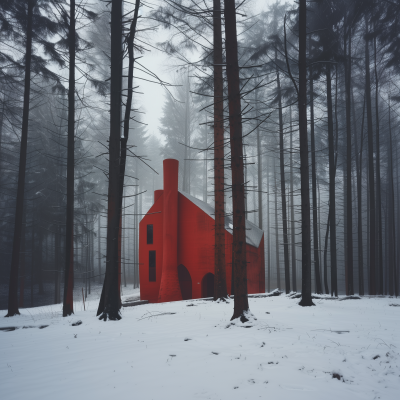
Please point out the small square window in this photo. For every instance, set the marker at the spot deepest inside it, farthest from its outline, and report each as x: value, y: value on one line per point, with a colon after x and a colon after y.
x: 152, y: 266
x: 149, y: 234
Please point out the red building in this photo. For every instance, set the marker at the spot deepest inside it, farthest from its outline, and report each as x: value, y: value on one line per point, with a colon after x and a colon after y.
x: 176, y: 246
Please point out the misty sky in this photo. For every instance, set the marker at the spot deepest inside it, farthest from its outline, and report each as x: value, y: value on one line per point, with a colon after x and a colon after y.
x: 153, y: 98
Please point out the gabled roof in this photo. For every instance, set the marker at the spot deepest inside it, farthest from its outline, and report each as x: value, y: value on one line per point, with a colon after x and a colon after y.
x: 253, y: 232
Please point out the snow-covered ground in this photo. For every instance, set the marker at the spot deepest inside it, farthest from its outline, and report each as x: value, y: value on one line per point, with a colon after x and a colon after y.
x: 188, y: 350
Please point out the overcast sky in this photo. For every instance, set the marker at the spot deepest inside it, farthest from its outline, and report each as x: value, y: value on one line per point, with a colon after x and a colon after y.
x: 153, y: 95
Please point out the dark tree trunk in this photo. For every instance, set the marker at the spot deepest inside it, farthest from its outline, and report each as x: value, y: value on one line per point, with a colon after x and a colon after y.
x: 283, y: 188
x: 259, y: 168
x: 268, y: 234
x: 99, y: 245
x: 332, y: 174
x: 379, y: 231
x: 371, y: 178
x: 359, y: 202
x: 22, y: 263
x: 13, y: 285
x: 326, y: 254
x: 304, y: 173
x: 68, y: 301
x: 278, y: 266
x: 239, y: 262
x: 292, y: 225
x: 318, y: 285
x: 393, y: 288
x: 186, y: 162
x: 220, y: 288
x: 349, y: 244
x: 110, y: 302
x: 39, y: 265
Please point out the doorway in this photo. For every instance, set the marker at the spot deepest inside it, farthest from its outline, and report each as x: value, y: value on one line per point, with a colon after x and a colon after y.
x: 207, y: 285
x: 185, y: 282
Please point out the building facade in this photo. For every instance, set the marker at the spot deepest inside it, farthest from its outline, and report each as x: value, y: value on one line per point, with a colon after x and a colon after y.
x: 176, y: 246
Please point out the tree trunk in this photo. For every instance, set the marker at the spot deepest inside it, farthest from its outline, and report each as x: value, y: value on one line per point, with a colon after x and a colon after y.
x: 283, y: 188
x: 359, y: 202
x: 13, y: 285
x: 259, y: 167
x: 292, y: 224
x: 318, y: 285
x: 378, y: 180
x: 278, y: 269
x: 220, y: 288
x: 349, y: 244
x: 186, y: 162
x: 393, y: 288
x: 22, y: 263
x: 304, y: 173
x: 110, y: 302
x: 268, y: 233
x: 332, y: 174
x: 68, y: 301
x: 239, y: 262
x: 371, y: 178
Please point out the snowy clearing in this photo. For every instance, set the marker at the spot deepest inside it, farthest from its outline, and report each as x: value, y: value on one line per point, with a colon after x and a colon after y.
x: 185, y: 350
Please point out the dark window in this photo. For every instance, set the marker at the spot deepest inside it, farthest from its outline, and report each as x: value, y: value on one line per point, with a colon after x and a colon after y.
x: 149, y: 234
x: 152, y: 265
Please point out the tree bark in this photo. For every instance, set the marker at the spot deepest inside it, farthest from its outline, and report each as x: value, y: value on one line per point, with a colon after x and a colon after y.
x: 239, y: 262
x: 283, y: 187
x: 68, y: 301
x: 371, y: 178
x: 332, y: 174
x: 292, y: 224
x: 349, y: 205
x: 304, y: 172
x: 110, y: 302
x: 220, y: 288
x: 318, y: 285
x: 359, y: 202
x: 13, y: 284
x: 379, y: 231
x: 278, y: 266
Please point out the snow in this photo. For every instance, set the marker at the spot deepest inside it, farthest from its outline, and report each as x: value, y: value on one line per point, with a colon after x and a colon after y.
x: 253, y: 232
x: 190, y: 350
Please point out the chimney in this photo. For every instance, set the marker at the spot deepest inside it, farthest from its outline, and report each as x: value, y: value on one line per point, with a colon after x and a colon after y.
x: 169, y: 287
x: 157, y: 194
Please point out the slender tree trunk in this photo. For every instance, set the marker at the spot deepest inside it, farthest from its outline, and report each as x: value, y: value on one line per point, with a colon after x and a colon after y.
x: 33, y: 253
x: 304, y: 172
x: 220, y: 288
x: 186, y: 162
x: 239, y: 262
x: 268, y: 233
x: 372, y: 238
x: 359, y: 202
x: 259, y: 167
x: 349, y: 244
x: 283, y: 188
x: 393, y: 287
x: 328, y: 223
x: 379, y: 231
x: 318, y: 285
x: 278, y: 269
x: 110, y: 302
x: 332, y: 174
x: 39, y: 267
x: 205, y: 163
x: 22, y: 263
x: 68, y: 301
x: 292, y: 224
x: 13, y: 285
x: 99, y: 245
